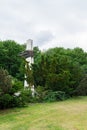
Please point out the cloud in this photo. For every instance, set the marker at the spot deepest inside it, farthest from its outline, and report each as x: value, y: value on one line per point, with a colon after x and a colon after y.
x: 49, y: 23
x: 43, y: 37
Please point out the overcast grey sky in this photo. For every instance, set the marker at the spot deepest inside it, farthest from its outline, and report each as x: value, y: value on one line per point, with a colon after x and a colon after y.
x: 49, y: 23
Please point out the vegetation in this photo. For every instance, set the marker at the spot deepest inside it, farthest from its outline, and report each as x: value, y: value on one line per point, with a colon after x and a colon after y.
x: 12, y: 94
x: 9, y: 58
x: 66, y: 115
x: 82, y: 88
x: 60, y: 69
x: 57, y: 74
x: 5, y: 81
x: 29, y: 74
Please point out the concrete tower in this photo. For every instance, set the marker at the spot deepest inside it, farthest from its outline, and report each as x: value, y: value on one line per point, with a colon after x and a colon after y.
x: 29, y: 59
x: 29, y: 47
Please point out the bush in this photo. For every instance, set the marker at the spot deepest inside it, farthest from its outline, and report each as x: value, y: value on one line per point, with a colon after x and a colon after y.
x: 81, y: 90
x: 55, y: 96
x: 5, y: 81
x: 20, y: 100
x: 24, y: 97
x: 40, y: 93
x: 17, y: 86
x: 5, y: 101
x: 28, y: 98
x: 8, y: 101
x: 17, y: 101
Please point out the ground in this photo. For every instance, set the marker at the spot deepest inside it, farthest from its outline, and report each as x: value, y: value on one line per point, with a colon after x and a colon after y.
x: 65, y: 115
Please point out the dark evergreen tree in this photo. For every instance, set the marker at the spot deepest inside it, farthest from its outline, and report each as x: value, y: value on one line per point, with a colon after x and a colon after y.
x: 9, y: 58
x: 5, y: 81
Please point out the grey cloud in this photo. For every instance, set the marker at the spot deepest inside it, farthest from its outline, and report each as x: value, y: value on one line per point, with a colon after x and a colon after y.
x: 43, y: 37
x: 23, y: 19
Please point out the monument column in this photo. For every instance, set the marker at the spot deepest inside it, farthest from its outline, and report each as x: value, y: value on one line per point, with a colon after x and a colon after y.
x: 30, y: 60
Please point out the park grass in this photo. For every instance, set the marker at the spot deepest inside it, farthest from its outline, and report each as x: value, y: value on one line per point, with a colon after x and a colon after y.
x: 65, y: 115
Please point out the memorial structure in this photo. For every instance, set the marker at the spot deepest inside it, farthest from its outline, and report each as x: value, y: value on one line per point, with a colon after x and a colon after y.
x: 28, y: 55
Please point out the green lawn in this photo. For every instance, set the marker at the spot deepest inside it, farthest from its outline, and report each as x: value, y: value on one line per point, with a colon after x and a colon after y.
x: 66, y: 115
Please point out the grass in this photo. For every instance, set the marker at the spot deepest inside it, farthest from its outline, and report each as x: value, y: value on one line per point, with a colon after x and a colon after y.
x: 66, y: 115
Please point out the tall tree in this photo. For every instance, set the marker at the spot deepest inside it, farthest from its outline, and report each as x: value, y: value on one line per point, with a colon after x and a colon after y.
x: 59, y: 69
x: 9, y: 57
x: 5, y: 81
x: 29, y: 74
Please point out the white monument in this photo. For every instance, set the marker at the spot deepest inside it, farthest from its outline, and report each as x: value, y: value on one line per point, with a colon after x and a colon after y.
x: 30, y: 60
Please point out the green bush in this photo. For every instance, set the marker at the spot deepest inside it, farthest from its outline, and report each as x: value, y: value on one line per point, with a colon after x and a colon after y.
x: 24, y: 97
x: 28, y: 98
x: 17, y: 101
x: 40, y: 93
x: 5, y: 101
x: 20, y: 100
x: 54, y: 96
x: 5, y: 81
x: 17, y: 86
x: 81, y: 89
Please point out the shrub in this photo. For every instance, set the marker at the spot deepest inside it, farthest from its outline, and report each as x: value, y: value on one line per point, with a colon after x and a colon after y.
x: 16, y: 87
x: 54, y: 96
x: 40, y: 93
x: 26, y: 96
x: 5, y: 81
x: 17, y: 101
x: 5, y: 101
x: 81, y: 90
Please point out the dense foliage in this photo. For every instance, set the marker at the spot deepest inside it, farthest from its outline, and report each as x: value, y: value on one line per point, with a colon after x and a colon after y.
x: 12, y: 93
x: 60, y: 69
x: 9, y: 58
x: 5, y: 81
x: 57, y: 74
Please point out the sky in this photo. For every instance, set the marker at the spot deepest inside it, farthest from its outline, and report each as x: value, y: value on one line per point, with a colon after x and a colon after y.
x: 49, y: 23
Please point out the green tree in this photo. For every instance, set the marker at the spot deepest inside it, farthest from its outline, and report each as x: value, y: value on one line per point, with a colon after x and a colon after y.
x: 29, y: 74
x: 37, y: 54
x: 59, y: 69
x: 5, y: 81
x: 9, y: 57
x: 81, y: 89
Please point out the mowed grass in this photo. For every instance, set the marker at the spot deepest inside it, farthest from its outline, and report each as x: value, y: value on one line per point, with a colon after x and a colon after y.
x: 66, y: 115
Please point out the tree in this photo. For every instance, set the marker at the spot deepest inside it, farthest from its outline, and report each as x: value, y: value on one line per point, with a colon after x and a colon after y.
x: 29, y: 74
x: 5, y: 81
x: 37, y: 54
x: 9, y: 57
x: 59, y: 69
x: 81, y: 89
x: 8, y: 91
